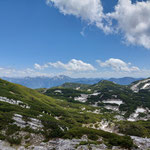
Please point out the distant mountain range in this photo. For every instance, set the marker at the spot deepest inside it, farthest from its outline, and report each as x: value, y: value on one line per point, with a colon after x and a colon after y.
x: 48, y: 82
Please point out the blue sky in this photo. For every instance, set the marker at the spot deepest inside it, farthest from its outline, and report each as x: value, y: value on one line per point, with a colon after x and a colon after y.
x: 38, y: 38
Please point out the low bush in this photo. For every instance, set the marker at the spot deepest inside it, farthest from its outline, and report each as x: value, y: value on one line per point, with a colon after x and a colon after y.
x: 14, y: 140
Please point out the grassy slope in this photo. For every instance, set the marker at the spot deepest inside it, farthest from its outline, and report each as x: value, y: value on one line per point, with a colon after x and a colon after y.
x: 107, y: 89
x: 70, y: 116
x: 75, y: 85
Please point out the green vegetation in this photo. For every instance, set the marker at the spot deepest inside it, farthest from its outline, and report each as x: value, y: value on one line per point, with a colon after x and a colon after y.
x: 110, y: 139
x: 138, y: 128
x: 46, y: 109
x: 75, y: 86
x: 65, y: 93
x: 14, y: 140
x: 107, y: 90
x: 62, y: 117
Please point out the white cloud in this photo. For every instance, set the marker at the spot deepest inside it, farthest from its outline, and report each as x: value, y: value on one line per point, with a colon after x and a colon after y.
x: 91, y: 73
x: 88, y: 10
x: 118, y: 65
x: 133, y: 20
x: 107, y: 74
x: 11, y: 72
x: 72, y: 65
x: 39, y: 67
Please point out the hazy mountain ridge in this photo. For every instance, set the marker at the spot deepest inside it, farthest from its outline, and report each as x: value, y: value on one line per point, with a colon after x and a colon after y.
x: 48, y: 82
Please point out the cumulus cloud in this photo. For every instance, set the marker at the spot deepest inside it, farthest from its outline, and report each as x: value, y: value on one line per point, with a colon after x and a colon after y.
x: 88, y: 10
x: 116, y: 68
x: 39, y: 67
x: 72, y: 65
x: 133, y: 20
x: 118, y: 65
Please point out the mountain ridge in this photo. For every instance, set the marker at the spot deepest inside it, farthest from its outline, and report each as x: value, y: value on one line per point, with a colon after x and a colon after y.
x: 48, y: 82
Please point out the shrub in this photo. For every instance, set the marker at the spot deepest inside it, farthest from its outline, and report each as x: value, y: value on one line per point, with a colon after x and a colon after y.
x: 14, y: 140
x: 2, y: 137
x: 11, y: 129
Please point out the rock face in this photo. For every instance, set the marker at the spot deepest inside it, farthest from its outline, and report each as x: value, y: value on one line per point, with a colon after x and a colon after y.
x: 141, y: 85
x: 74, y: 144
x: 5, y: 146
x: 57, y: 144
x: 135, y: 115
x: 113, y: 101
x: 61, y: 144
x: 33, y: 123
x: 82, y: 98
x: 142, y: 143
x: 14, y: 102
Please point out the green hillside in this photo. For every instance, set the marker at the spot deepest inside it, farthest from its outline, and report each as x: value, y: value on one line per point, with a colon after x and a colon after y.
x: 103, y: 91
x: 76, y: 86
x: 25, y: 110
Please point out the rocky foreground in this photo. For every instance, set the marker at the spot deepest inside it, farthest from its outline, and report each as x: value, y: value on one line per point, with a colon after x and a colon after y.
x: 74, y: 144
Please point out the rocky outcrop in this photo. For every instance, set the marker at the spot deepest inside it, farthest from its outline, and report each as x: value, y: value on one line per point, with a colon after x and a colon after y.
x: 14, y: 102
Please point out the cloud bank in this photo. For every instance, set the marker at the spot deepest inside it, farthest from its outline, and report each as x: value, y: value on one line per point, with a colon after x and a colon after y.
x: 28, y: 72
x: 112, y: 67
x: 131, y: 19
x: 118, y: 65
x: 72, y: 65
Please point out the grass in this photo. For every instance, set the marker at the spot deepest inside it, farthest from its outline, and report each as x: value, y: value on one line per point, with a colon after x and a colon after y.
x: 138, y: 128
x: 48, y: 108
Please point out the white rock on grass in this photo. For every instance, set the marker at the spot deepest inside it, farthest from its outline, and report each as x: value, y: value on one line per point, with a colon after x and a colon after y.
x: 103, y: 125
x: 114, y: 108
x: 113, y: 101
x: 96, y: 104
x: 5, y: 146
x: 78, y: 88
x: 82, y: 98
x: 142, y: 143
x: 95, y: 94
x: 35, y: 124
x: 14, y: 102
x: 134, y: 116
x: 58, y: 91
x: 136, y: 88
x: 146, y: 86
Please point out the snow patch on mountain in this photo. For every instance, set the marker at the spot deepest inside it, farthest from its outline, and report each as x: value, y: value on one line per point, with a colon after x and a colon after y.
x: 136, y: 87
